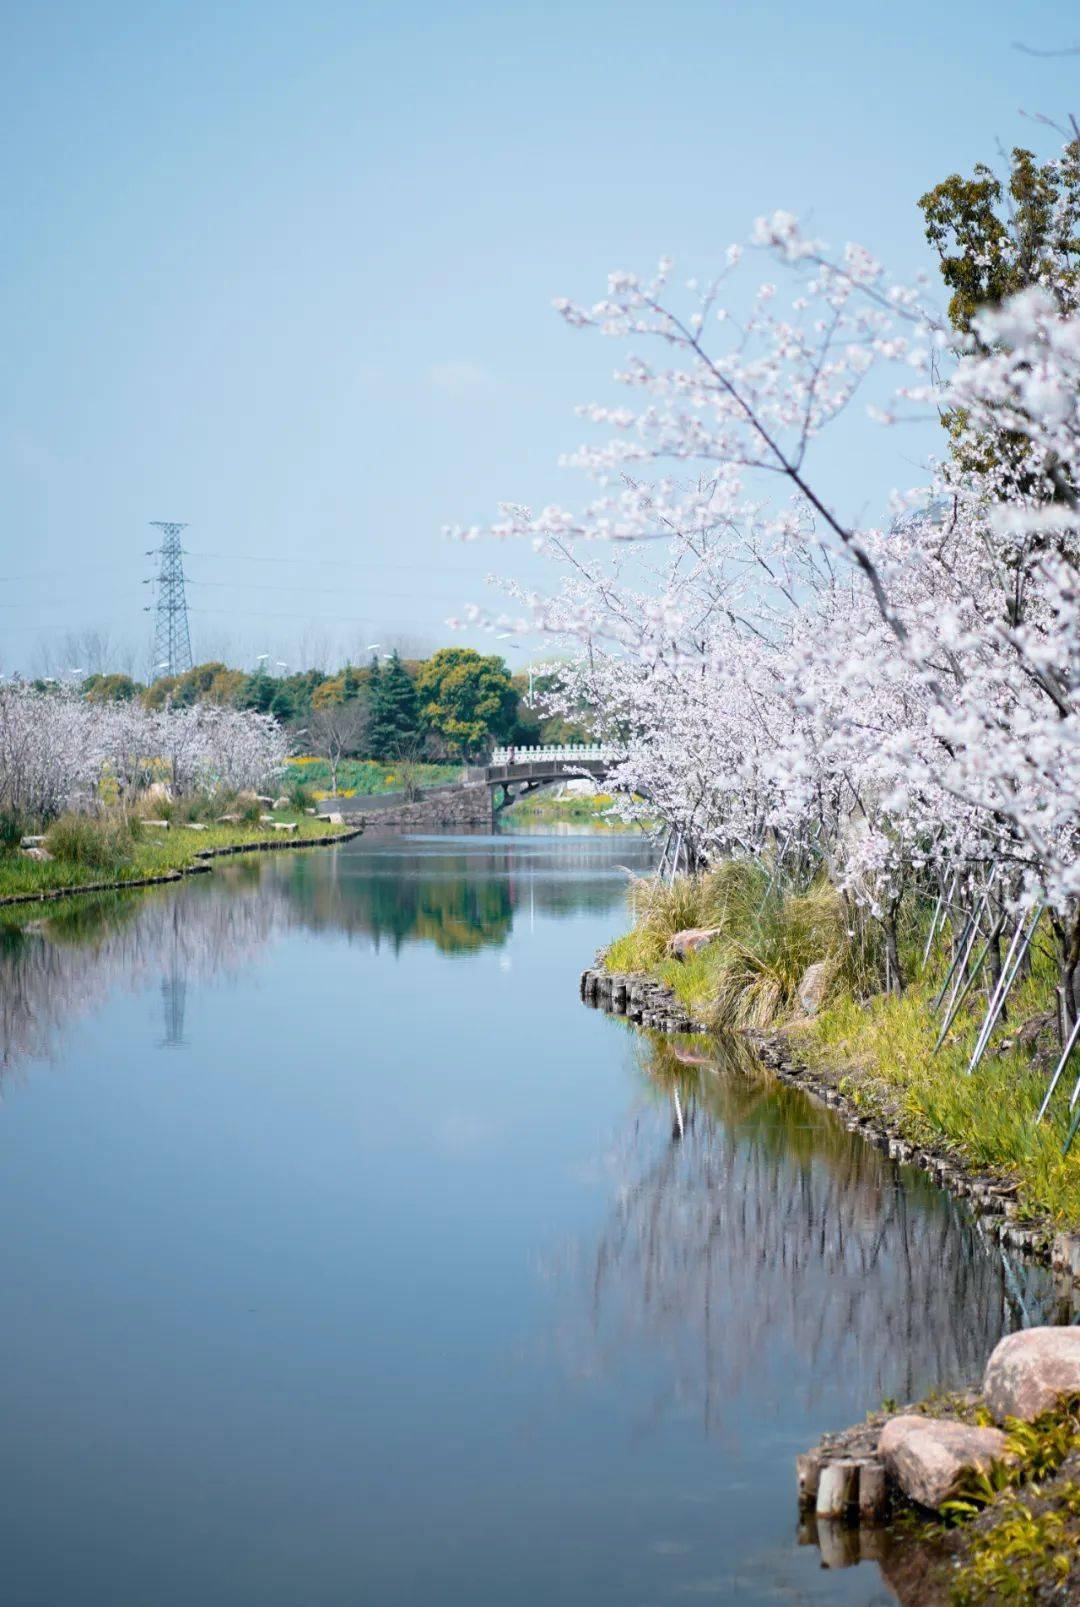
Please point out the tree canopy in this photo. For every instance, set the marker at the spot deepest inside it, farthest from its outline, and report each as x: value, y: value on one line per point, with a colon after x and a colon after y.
x: 994, y: 238
x: 466, y: 700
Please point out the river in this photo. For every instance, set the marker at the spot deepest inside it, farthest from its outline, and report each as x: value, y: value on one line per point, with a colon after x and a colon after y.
x: 348, y: 1259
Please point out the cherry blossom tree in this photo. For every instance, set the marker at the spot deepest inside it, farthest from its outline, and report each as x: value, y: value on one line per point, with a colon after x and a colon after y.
x: 896, y: 705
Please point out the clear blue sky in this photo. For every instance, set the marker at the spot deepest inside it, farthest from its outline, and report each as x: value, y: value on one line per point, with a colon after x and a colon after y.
x: 285, y: 271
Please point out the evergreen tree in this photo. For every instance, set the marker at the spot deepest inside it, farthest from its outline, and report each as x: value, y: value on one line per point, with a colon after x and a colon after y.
x: 395, y: 715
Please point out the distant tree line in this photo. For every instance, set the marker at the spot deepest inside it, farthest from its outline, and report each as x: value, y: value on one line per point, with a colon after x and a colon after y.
x: 456, y: 704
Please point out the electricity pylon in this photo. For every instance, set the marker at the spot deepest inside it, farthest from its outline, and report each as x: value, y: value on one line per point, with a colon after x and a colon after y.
x: 172, y: 641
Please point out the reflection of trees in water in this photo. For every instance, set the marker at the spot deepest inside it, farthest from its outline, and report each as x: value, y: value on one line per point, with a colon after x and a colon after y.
x: 457, y: 913
x: 460, y: 898
x: 752, y: 1232
x: 57, y: 969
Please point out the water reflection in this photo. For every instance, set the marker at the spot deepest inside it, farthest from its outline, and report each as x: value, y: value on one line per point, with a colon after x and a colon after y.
x: 456, y: 894
x: 280, y: 1290
x: 751, y: 1231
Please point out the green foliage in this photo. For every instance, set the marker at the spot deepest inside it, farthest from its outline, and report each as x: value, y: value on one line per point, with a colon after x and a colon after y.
x: 466, y: 701
x: 394, y: 719
x: 768, y: 950
x: 105, y: 844
x: 885, y: 1046
x: 13, y: 828
x: 111, y: 688
x: 993, y: 239
x: 1022, y: 1552
x: 112, y: 848
x: 1031, y: 1536
x: 363, y: 777
x: 765, y: 938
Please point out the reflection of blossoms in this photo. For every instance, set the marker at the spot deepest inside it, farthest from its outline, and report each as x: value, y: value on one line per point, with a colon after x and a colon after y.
x: 58, y: 969
x: 748, y: 1228
x: 886, y: 703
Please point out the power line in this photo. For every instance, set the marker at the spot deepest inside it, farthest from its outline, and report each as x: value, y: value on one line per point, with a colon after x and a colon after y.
x: 304, y: 619
x: 324, y: 563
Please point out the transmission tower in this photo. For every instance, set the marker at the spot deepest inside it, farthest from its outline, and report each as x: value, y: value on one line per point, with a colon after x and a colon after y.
x: 172, y: 641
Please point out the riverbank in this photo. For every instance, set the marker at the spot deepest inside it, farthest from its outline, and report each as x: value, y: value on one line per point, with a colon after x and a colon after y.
x: 160, y: 854
x: 790, y: 969
x: 993, y: 1195
x: 1011, y: 1532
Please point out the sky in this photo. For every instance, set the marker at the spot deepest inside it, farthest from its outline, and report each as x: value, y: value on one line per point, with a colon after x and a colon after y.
x: 285, y: 272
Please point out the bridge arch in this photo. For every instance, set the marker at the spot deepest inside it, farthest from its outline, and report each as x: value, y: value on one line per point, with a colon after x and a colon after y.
x: 515, y: 772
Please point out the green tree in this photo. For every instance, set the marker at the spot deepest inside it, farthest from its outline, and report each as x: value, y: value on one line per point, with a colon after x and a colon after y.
x: 394, y: 710
x: 994, y: 238
x: 110, y: 688
x: 466, y: 700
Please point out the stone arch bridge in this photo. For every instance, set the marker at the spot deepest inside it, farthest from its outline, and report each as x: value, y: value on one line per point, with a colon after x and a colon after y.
x: 484, y: 789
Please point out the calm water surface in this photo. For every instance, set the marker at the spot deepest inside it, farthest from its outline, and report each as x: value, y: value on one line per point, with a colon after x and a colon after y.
x: 347, y: 1259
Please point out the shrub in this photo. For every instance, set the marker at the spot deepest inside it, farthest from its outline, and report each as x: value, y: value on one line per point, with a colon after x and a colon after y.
x: 299, y: 793
x: 13, y: 828
x: 107, y: 844
x: 248, y: 808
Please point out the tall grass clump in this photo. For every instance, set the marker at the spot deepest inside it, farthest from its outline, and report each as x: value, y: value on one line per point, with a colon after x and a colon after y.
x: 100, y: 844
x: 764, y: 937
x: 762, y: 959
x: 13, y: 828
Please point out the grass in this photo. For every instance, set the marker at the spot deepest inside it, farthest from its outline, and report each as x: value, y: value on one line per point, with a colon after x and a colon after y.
x: 92, y: 852
x: 362, y: 777
x: 1020, y: 1539
x: 762, y: 945
x: 882, y: 1050
x: 878, y: 1047
x: 590, y: 810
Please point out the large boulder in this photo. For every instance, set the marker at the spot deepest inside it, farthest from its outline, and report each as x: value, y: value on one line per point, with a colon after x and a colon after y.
x: 692, y: 939
x: 930, y: 1457
x: 1031, y: 1371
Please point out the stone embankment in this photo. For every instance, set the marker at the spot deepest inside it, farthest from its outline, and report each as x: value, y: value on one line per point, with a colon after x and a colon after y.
x: 396, y: 811
x: 640, y: 999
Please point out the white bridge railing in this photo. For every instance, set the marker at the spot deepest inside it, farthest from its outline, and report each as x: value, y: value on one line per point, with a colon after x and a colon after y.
x: 569, y: 753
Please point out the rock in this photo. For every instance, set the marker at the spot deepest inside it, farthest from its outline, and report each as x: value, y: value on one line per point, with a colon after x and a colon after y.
x: 1030, y: 1371
x: 281, y: 803
x: 162, y: 825
x: 335, y: 818
x: 284, y: 825
x: 37, y: 853
x: 813, y: 987
x: 31, y: 842
x: 929, y: 1457
x: 194, y: 825
x: 692, y: 939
